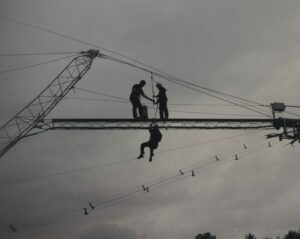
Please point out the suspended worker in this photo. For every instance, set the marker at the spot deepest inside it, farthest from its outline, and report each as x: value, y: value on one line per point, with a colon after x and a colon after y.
x: 136, y: 93
x: 162, y: 101
x: 155, y: 138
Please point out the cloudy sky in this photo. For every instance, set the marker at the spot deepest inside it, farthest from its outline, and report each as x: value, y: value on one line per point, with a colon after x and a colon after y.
x: 241, y: 47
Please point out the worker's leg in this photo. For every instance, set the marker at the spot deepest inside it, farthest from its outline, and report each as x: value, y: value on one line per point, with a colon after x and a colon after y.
x: 151, y: 154
x: 161, y: 112
x: 134, y: 108
x: 142, y: 148
x: 139, y: 106
x: 165, y: 110
x: 152, y: 145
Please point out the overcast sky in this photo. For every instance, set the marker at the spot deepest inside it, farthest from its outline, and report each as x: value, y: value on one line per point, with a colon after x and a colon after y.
x: 241, y: 47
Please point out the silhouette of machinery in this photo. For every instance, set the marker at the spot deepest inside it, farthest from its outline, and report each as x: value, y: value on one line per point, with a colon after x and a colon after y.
x: 32, y: 118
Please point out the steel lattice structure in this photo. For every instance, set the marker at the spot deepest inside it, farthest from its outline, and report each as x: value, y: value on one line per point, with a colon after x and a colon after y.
x: 22, y: 124
x: 31, y: 119
x: 129, y: 124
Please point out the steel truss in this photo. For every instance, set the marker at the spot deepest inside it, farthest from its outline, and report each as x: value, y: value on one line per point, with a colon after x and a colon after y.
x: 22, y: 124
x: 129, y: 124
x: 31, y: 119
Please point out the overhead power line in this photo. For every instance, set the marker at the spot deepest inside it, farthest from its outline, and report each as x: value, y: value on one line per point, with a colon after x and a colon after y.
x: 186, y: 84
x: 157, y: 71
x: 78, y: 170
x: 153, y: 69
x: 118, y: 196
x: 100, y: 93
x: 172, y: 177
x: 61, y: 35
x: 170, y: 110
x: 179, y: 104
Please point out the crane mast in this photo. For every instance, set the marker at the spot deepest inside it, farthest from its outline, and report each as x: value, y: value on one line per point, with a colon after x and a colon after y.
x: 27, y: 119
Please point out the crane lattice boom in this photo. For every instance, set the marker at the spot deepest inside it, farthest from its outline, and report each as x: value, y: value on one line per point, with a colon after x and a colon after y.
x: 291, y: 127
x: 125, y: 124
x: 29, y: 117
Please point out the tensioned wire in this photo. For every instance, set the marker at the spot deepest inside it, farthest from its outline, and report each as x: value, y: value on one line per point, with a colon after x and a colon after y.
x: 132, y: 193
x: 39, y: 53
x: 122, y: 55
x: 237, y: 100
x: 116, y: 53
x: 158, y: 72
x: 64, y: 172
x: 124, y: 100
x: 40, y: 29
x: 35, y: 65
x: 195, y: 164
x: 106, y: 202
x: 224, y: 153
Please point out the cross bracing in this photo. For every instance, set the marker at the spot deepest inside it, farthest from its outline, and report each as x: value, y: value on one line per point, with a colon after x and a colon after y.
x: 178, y: 123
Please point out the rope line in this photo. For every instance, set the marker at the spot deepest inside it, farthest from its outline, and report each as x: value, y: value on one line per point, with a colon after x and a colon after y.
x: 34, y: 65
x: 40, y: 53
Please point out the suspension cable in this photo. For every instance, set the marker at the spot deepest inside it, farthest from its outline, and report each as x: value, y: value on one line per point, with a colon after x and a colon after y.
x: 35, y: 65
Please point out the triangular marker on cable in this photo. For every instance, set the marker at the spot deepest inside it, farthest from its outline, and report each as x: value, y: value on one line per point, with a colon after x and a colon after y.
x: 217, y: 158
x: 181, y: 172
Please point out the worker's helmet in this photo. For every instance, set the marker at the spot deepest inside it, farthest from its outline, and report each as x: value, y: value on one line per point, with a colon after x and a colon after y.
x: 143, y: 82
x: 158, y: 85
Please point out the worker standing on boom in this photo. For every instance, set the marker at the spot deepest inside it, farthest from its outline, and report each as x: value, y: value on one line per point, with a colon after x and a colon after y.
x: 137, y: 92
x: 162, y: 101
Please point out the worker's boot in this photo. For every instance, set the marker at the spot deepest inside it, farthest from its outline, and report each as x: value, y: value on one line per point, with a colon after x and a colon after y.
x: 150, y: 158
x: 140, y: 156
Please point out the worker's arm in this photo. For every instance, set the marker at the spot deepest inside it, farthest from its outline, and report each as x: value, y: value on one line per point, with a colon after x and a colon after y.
x: 146, y: 97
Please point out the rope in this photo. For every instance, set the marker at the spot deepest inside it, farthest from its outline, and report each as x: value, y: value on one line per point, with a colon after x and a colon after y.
x: 39, y: 53
x: 35, y: 65
x: 154, y: 111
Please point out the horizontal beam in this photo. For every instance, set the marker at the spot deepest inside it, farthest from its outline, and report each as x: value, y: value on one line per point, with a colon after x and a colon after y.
x: 129, y: 124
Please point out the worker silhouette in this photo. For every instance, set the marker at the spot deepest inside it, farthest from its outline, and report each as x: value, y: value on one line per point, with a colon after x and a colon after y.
x: 155, y: 138
x: 162, y: 100
x: 136, y: 93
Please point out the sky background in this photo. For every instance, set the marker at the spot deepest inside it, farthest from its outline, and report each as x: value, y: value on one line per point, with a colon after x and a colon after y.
x: 245, y: 48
